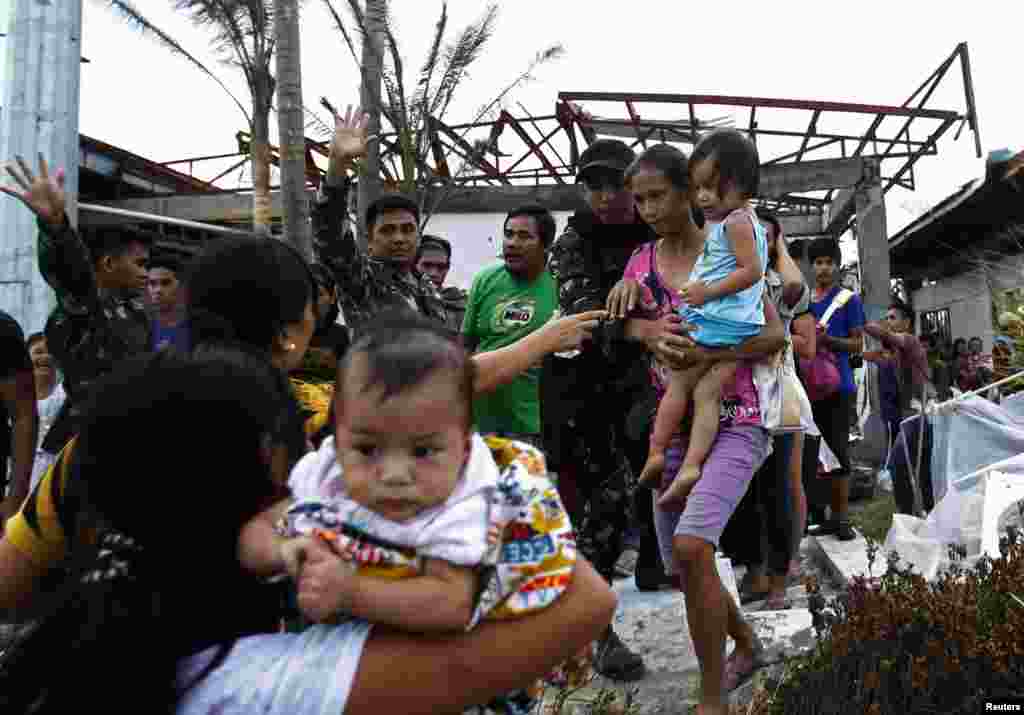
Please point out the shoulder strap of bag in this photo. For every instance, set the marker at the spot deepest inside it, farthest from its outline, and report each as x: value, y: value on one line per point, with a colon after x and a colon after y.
x: 841, y: 298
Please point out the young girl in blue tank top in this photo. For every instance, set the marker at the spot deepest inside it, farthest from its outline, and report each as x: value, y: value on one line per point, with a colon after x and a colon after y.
x: 723, y: 301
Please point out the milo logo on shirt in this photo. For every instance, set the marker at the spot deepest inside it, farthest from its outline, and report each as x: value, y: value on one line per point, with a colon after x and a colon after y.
x: 516, y: 313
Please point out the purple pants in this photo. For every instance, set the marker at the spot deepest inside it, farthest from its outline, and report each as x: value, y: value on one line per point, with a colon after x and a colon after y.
x: 738, y: 452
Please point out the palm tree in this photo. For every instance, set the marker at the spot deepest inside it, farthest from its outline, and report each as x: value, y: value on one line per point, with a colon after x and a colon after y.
x: 291, y: 127
x: 243, y: 37
x: 413, y: 114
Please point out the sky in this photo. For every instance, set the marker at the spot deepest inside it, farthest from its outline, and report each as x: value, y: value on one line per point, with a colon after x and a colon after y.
x: 137, y: 96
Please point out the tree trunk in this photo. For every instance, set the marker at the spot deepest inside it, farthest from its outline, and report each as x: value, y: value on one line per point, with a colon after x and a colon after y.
x: 369, y: 93
x: 291, y: 126
x: 260, y: 153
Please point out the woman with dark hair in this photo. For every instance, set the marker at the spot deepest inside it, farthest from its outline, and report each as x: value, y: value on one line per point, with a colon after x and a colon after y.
x: 172, y: 583
x: 197, y: 603
x: 689, y: 534
x: 257, y: 293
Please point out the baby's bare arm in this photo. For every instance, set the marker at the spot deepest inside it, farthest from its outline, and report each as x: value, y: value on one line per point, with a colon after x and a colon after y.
x: 441, y: 599
x: 258, y: 542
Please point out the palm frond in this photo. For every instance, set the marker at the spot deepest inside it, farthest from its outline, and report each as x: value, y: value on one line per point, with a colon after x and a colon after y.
x: 398, y: 69
x: 343, y: 30
x: 460, y: 55
x: 138, y: 21
x: 421, y: 99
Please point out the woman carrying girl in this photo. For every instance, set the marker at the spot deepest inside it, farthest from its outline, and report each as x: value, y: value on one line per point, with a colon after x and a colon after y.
x: 688, y: 535
x: 721, y: 299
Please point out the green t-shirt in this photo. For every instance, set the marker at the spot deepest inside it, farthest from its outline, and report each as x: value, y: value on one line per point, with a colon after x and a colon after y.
x: 500, y: 311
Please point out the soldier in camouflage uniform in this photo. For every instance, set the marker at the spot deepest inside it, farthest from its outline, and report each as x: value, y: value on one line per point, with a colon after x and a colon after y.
x: 588, y: 447
x: 383, y: 277
x: 433, y: 260
x: 100, y: 317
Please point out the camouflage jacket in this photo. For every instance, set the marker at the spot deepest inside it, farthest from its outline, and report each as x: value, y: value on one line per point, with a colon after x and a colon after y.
x: 455, y: 301
x: 587, y: 260
x: 88, y: 333
x: 366, y: 286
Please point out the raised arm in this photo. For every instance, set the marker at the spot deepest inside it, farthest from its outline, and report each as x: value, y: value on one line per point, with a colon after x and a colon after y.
x: 64, y: 260
x: 907, y: 346
x: 803, y: 333
x: 334, y: 239
x: 794, y: 287
x: 891, y: 340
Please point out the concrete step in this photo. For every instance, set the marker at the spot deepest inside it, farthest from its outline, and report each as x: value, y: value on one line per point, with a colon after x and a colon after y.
x: 654, y: 625
x: 843, y: 559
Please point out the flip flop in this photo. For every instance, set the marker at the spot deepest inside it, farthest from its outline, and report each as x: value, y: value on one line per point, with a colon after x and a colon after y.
x: 739, y: 669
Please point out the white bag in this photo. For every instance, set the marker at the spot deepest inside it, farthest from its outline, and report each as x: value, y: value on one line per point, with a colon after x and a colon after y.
x: 910, y: 538
x: 778, y: 396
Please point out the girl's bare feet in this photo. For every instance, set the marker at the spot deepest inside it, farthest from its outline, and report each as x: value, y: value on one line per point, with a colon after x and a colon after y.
x: 650, y: 477
x: 681, y: 486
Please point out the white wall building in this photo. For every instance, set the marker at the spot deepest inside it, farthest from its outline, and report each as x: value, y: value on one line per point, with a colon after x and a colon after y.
x: 959, y: 255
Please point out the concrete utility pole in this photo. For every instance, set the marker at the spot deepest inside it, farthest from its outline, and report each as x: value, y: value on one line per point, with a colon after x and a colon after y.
x: 40, y: 116
x: 375, y: 12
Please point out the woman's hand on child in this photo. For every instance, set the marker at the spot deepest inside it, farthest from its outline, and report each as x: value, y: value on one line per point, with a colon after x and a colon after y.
x: 325, y: 583
x: 694, y: 294
x: 678, y: 352
x: 624, y: 297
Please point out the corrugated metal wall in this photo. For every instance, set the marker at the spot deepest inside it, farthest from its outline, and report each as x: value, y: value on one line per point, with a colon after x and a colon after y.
x: 40, y: 115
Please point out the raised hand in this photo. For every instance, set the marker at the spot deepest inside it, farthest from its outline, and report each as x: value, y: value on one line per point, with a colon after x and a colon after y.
x: 349, y: 141
x: 43, y: 195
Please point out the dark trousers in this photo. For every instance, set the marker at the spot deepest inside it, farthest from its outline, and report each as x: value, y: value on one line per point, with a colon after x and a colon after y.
x: 761, y: 529
x: 649, y: 553
x: 832, y: 415
x: 903, y: 491
x: 817, y: 489
x: 776, y: 506
x: 596, y: 481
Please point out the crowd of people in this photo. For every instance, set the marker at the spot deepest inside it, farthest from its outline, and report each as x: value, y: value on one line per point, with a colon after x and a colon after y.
x: 658, y: 375
x: 963, y: 365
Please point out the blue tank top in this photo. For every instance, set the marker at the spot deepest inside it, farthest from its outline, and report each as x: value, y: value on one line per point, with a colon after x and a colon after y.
x: 718, y: 261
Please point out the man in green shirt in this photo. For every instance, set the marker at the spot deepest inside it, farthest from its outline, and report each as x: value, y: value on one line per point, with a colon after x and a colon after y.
x: 506, y: 302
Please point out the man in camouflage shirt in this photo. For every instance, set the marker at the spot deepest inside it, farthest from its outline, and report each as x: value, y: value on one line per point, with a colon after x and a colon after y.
x: 384, y: 277
x: 590, y: 452
x: 100, y: 318
x: 434, y: 260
